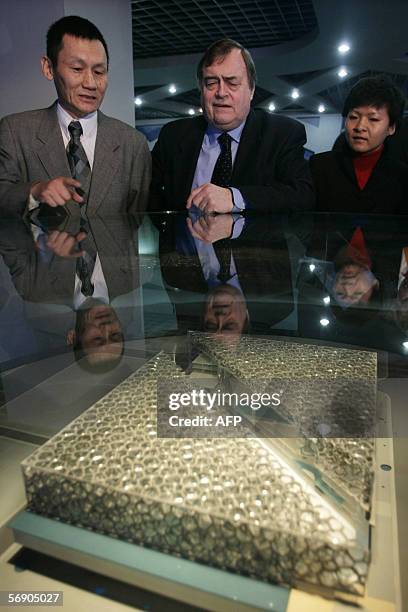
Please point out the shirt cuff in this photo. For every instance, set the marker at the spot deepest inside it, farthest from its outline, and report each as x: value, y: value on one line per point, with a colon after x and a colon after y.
x: 238, y: 201
x: 238, y: 226
x: 32, y: 203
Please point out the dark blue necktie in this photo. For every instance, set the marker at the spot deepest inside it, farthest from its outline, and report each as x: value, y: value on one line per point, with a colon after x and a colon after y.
x: 221, y: 176
x: 222, y: 172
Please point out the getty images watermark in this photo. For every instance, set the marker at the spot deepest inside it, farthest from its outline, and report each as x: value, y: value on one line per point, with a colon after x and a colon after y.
x: 337, y: 408
x: 210, y: 400
x: 200, y: 412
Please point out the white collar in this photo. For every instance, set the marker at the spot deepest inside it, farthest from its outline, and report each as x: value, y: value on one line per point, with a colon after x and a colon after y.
x: 89, y: 123
x: 212, y: 133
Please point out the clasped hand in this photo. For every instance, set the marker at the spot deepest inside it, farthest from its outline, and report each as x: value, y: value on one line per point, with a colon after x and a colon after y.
x: 211, y: 198
x: 211, y: 228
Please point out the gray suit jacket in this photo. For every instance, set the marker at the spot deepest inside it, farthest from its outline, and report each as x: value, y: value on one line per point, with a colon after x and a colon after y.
x: 32, y: 149
x: 39, y: 279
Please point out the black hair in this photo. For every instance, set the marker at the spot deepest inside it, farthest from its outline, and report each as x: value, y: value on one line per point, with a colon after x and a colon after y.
x: 76, y: 26
x: 377, y: 91
x: 219, y: 50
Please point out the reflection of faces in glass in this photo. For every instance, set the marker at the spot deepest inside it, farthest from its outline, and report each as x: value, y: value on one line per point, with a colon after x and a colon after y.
x: 403, y: 292
x: 402, y: 303
x: 99, y: 334
x: 354, y: 284
x: 367, y: 127
x: 225, y: 312
x: 102, y: 332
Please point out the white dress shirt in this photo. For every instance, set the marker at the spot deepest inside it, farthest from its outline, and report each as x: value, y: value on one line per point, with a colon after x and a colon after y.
x: 210, y: 150
x: 89, y: 128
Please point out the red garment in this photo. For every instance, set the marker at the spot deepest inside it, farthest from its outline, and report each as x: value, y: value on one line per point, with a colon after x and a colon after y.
x: 357, y: 250
x: 364, y: 165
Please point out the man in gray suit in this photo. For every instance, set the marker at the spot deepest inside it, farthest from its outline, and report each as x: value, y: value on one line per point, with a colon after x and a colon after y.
x: 71, y: 154
x: 44, y: 274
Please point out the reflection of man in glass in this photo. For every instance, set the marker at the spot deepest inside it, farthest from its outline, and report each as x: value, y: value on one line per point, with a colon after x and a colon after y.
x: 354, y: 281
x: 62, y: 309
x: 225, y: 312
x: 354, y: 284
x: 401, y: 304
x: 97, y: 337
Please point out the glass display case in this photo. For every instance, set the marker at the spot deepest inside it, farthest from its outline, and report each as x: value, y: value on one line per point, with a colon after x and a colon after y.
x: 236, y: 424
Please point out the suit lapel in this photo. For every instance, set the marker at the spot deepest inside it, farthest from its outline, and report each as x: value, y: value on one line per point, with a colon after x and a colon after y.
x: 51, y: 151
x: 345, y: 161
x: 189, y: 151
x: 380, y: 174
x: 249, y: 142
x: 50, y: 145
x: 106, y: 161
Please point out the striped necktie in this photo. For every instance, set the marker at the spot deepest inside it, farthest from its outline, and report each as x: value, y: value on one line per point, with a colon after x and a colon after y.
x: 77, y: 159
x: 81, y: 171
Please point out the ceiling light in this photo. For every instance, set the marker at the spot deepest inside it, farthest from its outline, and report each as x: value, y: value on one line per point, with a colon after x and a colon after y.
x: 295, y: 94
x: 321, y: 108
x: 326, y: 299
x: 405, y: 345
x: 200, y: 110
x: 342, y: 73
x: 191, y: 111
x: 312, y: 267
x: 172, y: 89
x: 272, y: 107
x: 324, y: 322
x: 343, y: 48
x: 138, y: 101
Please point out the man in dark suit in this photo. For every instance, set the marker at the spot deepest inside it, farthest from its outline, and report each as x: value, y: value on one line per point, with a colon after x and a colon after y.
x: 259, y: 155
x: 71, y: 154
x: 259, y: 271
